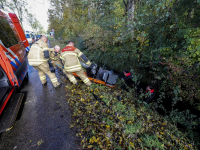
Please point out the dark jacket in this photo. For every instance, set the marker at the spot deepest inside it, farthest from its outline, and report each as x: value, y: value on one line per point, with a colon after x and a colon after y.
x: 128, y: 80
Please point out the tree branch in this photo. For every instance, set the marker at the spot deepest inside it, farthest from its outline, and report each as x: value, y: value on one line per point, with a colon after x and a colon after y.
x: 125, y: 4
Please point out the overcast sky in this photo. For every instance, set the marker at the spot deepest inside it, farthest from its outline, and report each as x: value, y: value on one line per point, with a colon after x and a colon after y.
x: 39, y: 8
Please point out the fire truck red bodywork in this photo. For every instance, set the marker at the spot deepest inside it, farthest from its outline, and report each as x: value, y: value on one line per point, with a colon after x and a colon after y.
x: 13, y: 58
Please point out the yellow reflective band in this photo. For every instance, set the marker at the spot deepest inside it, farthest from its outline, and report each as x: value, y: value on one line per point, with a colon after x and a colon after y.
x: 46, y: 48
x: 62, y: 58
x: 36, y: 47
x: 35, y: 63
x: 41, y: 60
x: 69, y: 54
x: 80, y: 54
x: 75, y: 66
x: 73, y: 69
x: 54, y: 80
x: 88, y: 62
x: 43, y: 77
x: 86, y: 80
x: 72, y: 79
x: 53, y: 58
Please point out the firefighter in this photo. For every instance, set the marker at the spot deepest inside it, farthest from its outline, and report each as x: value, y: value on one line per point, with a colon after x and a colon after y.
x: 70, y: 55
x: 38, y: 58
x: 54, y: 55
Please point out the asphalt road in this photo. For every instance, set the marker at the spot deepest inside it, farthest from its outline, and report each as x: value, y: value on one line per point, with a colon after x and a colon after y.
x: 44, y: 119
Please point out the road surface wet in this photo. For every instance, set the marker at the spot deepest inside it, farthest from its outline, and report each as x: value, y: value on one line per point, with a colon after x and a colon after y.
x: 44, y: 123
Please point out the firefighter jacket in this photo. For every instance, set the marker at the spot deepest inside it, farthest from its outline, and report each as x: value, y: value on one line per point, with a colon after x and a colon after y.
x: 70, y: 56
x: 36, y: 54
x: 53, y: 55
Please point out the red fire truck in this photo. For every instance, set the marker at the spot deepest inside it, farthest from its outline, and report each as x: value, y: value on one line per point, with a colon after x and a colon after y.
x: 14, y: 48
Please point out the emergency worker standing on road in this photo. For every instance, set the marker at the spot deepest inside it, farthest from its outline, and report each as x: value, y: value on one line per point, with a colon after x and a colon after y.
x: 38, y: 58
x: 70, y: 55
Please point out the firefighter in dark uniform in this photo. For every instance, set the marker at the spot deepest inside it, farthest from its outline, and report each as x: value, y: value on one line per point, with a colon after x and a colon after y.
x: 38, y: 57
x: 70, y: 56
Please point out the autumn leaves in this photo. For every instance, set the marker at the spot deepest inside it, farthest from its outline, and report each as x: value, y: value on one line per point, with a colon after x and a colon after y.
x: 124, y: 124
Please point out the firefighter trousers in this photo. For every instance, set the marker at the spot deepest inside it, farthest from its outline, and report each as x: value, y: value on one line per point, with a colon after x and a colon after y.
x: 81, y: 74
x: 43, y: 70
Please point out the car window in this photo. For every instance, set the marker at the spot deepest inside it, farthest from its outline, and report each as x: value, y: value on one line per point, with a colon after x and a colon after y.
x: 28, y: 36
x: 7, y: 35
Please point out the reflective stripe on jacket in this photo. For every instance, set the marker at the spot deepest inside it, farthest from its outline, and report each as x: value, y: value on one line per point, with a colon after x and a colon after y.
x: 53, y: 55
x: 36, y: 54
x: 70, y: 56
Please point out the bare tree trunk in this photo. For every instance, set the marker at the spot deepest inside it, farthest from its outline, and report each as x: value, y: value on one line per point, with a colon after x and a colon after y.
x: 129, y: 8
x: 89, y: 14
x: 92, y: 6
x: 129, y: 12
